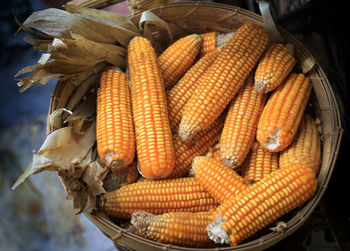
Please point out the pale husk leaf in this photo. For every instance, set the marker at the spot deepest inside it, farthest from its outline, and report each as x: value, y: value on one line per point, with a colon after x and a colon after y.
x: 61, y: 151
x: 117, y: 19
x: 83, y: 88
x: 81, y: 51
x: 66, y: 148
x: 60, y: 23
x: 55, y: 118
x: 268, y: 22
x: 151, y: 24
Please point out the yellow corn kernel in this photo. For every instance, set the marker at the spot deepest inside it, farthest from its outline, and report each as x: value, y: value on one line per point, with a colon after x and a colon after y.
x: 306, y: 147
x: 157, y: 197
x: 241, y: 122
x: 223, y: 79
x: 178, y: 58
x: 179, y: 94
x: 154, y: 145
x: 282, y: 113
x: 114, y: 126
x: 180, y: 228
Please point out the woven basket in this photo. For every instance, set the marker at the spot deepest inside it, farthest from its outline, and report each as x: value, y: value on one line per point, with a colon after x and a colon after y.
x: 197, y: 17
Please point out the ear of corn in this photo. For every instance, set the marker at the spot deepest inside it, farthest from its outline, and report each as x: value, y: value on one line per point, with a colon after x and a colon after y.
x: 223, y: 79
x: 261, y: 204
x: 241, y: 122
x: 153, y: 136
x: 178, y: 228
x: 306, y: 147
x: 259, y: 163
x: 157, y: 197
x: 282, y: 113
x: 178, y: 58
x: 114, y: 126
x: 273, y: 68
x: 220, y: 181
x: 182, y: 91
x: 208, y: 42
x: 186, y: 151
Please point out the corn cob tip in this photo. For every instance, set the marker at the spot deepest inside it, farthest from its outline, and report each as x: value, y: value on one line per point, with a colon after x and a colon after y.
x: 185, y: 135
x: 197, y: 36
x: 216, y: 232
x: 222, y: 39
x: 114, y: 164
x: 229, y: 162
x: 192, y: 170
x: 141, y: 220
x: 113, y: 68
x: 195, y: 160
x: 260, y: 85
x: 272, y: 141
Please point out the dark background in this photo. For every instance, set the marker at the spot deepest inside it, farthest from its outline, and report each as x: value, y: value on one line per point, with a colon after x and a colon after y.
x: 320, y: 25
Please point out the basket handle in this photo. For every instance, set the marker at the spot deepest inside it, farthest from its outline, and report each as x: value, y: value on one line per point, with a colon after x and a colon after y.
x: 268, y: 22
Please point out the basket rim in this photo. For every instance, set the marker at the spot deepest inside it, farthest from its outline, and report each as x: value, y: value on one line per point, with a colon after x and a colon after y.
x: 116, y: 233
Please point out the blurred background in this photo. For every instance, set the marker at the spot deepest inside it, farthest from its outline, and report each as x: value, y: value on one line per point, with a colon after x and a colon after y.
x: 37, y: 216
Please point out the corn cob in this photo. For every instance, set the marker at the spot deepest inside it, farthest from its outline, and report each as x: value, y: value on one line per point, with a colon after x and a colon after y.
x: 178, y: 58
x: 273, y: 68
x: 179, y: 228
x: 208, y: 42
x: 223, y: 79
x: 220, y: 181
x: 241, y: 122
x: 282, y: 113
x: 261, y: 204
x: 306, y: 147
x: 200, y: 144
x: 179, y: 94
x: 114, y: 127
x: 157, y: 197
x: 153, y: 136
x: 259, y: 163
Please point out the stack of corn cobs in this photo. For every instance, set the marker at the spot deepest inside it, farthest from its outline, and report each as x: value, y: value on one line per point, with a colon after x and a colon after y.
x: 222, y: 138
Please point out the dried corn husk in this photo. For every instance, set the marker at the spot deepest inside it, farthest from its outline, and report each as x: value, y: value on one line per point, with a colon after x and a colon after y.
x: 77, y: 39
x: 78, y: 43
